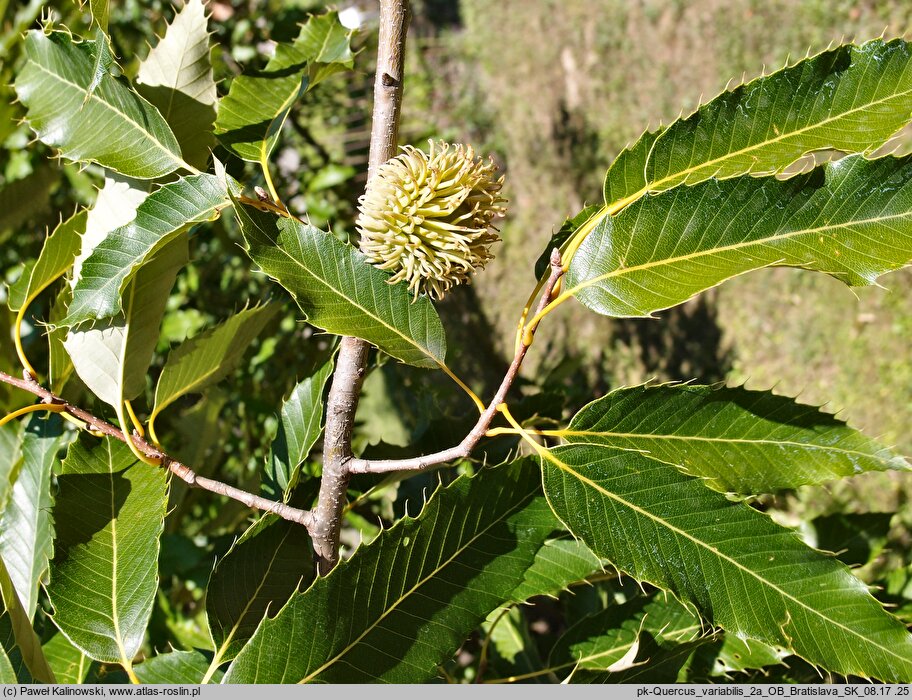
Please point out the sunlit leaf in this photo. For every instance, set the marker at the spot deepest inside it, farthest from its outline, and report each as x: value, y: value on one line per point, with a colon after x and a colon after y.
x: 851, y: 98
x: 744, y: 441
x: 743, y: 572
x: 162, y: 217
x: 10, y: 457
x: 557, y: 564
x: 339, y: 291
x: 69, y: 664
x: 109, y: 514
x: 851, y: 219
x: 260, y: 572
x: 112, y: 356
x: 176, y: 77
x: 112, y: 126
x: 599, y: 641
x: 18, y: 640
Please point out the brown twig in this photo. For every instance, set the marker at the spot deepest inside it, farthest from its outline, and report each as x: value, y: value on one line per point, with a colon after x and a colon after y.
x: 345, y: 391
x: 182, y: 471
x: 380, y: 466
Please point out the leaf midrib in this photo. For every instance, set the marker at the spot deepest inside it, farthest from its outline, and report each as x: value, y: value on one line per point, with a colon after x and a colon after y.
x: 695, y: 438
x: 93, y: 96
x: 495, y: 521
x: 725, y: 249
x: 682, y: 533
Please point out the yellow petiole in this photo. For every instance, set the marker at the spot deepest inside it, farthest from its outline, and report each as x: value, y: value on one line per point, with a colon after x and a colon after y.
x: 52, y: 407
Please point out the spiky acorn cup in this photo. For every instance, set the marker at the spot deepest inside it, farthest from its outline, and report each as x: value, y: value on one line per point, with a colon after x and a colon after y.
x: 428, y: 216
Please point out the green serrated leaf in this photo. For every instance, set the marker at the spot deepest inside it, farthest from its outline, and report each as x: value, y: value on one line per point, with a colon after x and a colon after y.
x: 557, y: 564
x: 110, y: 512
x: 851, y: 219
x: 516, y: 652
x: 340, y: 292
x: 60, y: 366
x: 855, y: 538
x: 251, y: 115
x: 743, y: 572
x: 176, y: 667
x: 176, y: 77
x: 10, y: 457
x: 101, y: 11
x: 69, y: 664
x: 299, y: 428
x: 57, y: 256
x: 428, y: 581
x: 112, y: 356
x: 26, y: 527
x: 209, y: 357
x: 102, y: 62
x: 114, y: 127
x: 161, y: 218
x: 599, y: 641
x: 748, y: 442
x: 558, y: 239
x: 260, y: 572
x: 852, y: 99
x: 17, y: 638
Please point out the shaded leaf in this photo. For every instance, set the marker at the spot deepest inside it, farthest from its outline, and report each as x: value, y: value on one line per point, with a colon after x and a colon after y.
x: 300, y: 426
x: 176, y: 77
x: 110, y: 511
x: 27, y: 197
x: 652, y: 663
x: 559, y: 238
x: 743, y: 572
x: 850, y: 219
x: 516, y: 652
x: 115, y: 127
x: 26, y: 527
x: 340, y: 292
x: 599, y: 641
x: 744, y: 441
x: 60, y: 366
x: 855, y: 538
x: 260, y: 572
x: 69, y: 664
x: 209, y: 357
x: 176, y: 667
x: 852, y: 99
x: 161, y: 218
x: 405, y: 602
x: 57, y: 256
x: 251, y: 115
x: 558, y: 563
